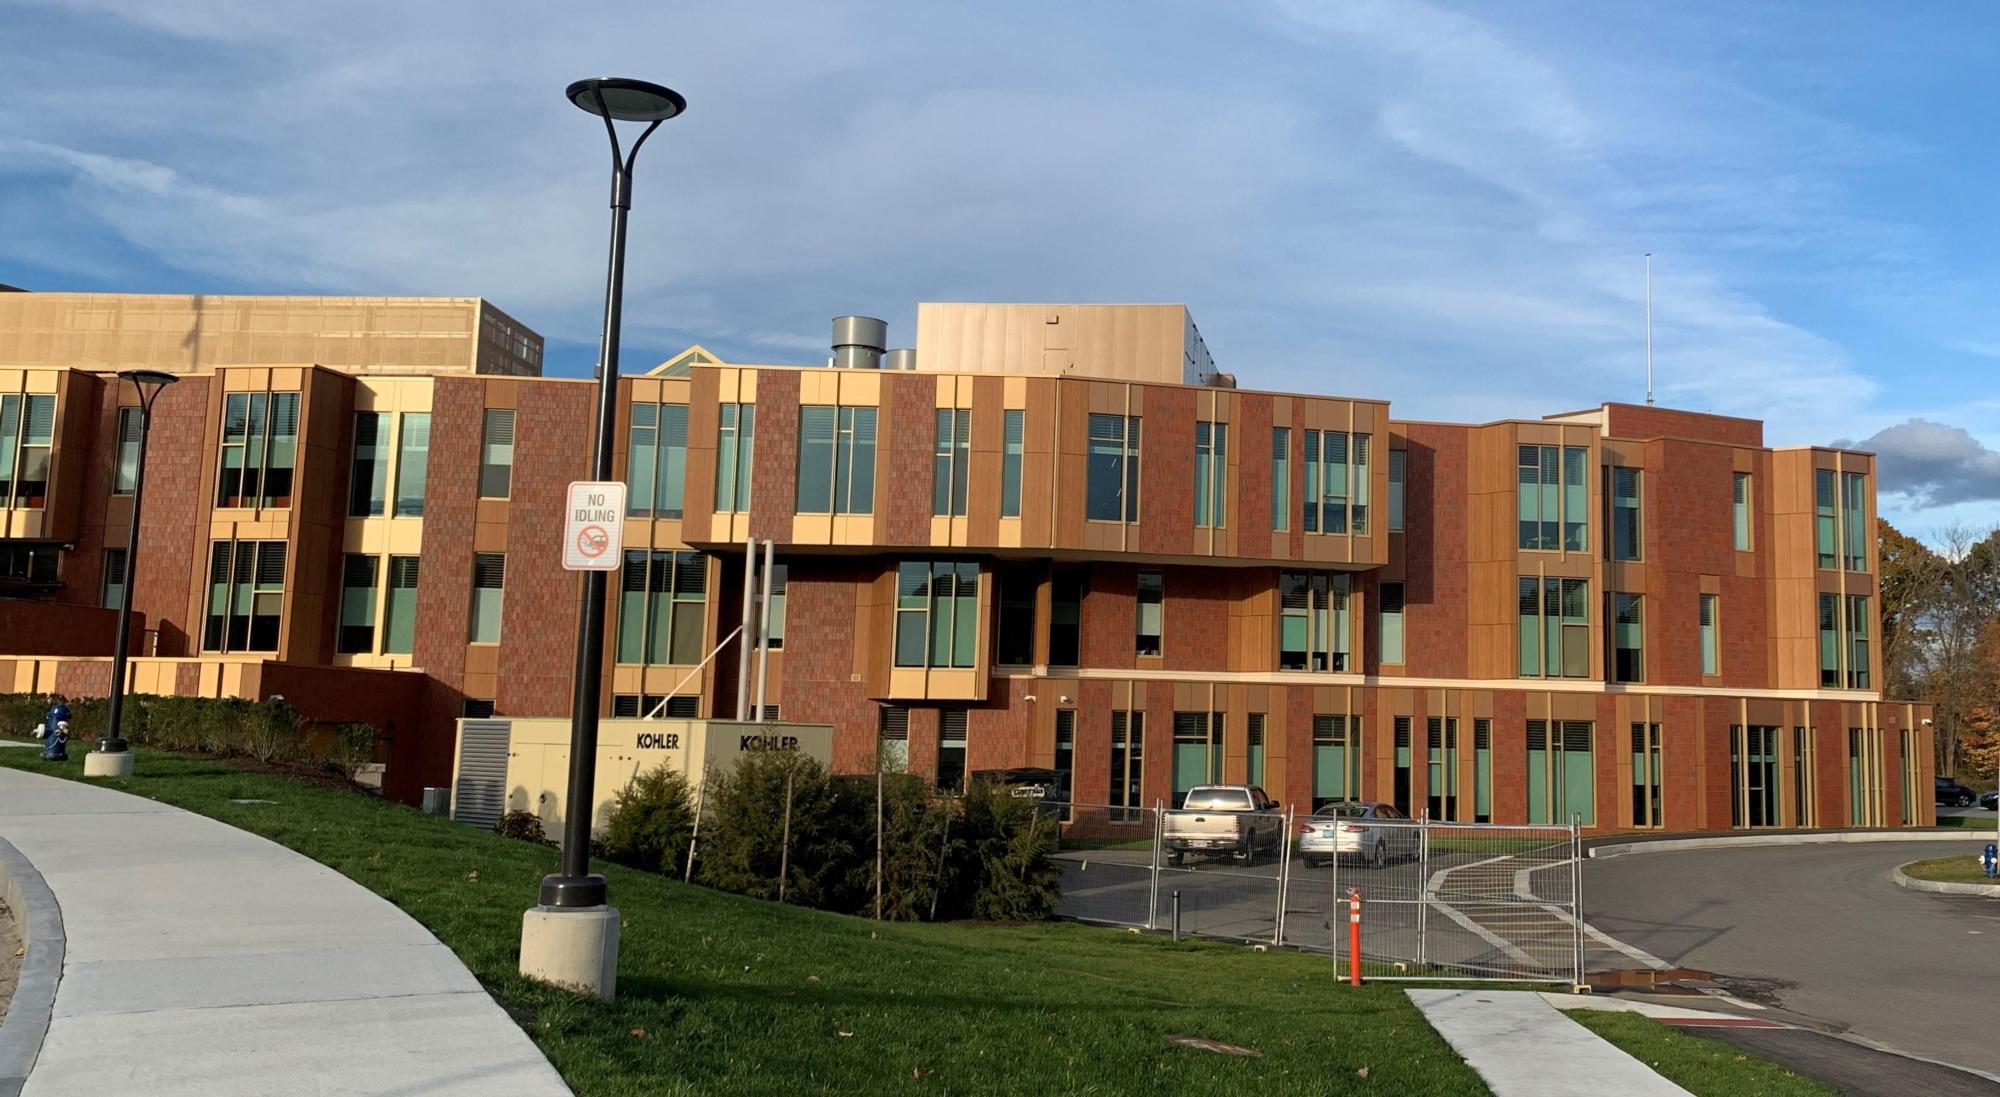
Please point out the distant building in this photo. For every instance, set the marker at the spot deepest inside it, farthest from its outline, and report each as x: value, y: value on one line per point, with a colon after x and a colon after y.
x: 1050, y: 535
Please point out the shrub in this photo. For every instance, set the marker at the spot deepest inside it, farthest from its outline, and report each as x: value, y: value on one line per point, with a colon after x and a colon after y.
x: 1008, y: 875
x: 743, y: 844
x: 651, y: 822
x: 353, y: 747
x: 524, y: 825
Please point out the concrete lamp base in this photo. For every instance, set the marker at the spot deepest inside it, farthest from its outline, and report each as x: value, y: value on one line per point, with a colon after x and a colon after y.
x: 573, y: 948
x: 106, y: 763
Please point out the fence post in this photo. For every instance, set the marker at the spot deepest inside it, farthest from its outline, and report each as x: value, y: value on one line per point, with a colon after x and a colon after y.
x: 1153, y: 900
x: 1423, y: 889
x: 1576, y: 894
x: 1177, y: 914
x: 1284, y: 878
x: 1354, y: 937
x: 785, y: 843
x: 878, y: 839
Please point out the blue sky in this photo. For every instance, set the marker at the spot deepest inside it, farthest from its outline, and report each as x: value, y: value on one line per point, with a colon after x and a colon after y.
x: 1446, y: 207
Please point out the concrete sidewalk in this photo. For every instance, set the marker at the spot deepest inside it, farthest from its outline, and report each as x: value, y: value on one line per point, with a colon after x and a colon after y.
x: 204, y: 961
x: 1522, y: 1046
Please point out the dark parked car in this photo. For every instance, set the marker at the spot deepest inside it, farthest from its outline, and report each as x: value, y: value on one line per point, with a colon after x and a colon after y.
x: 1955, y: 794
x: 1988, y: 801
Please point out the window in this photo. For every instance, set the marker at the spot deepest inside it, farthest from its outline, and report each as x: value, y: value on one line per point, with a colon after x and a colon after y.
x: 892, y: 740
x: 1312, y: 620
x: 1829, y: 641
x: 951, y: 461
x: 1739, y: 503
x: 1442, y: 743
x: 1711, y: 655
x: 1065, y: 790
x: 656, y: 461
x: 399, y: 621
x: 1628, y: 638
x: 260, y: 444
x: 1482, y: 770
x: 951, y: 750
x: 937, y: 614
x: 1625, y: 528
x: 1398, y: 472
x: 1824, y: 517
x: 1561, y: 782
x: 1857, y: 642
x: 1013, y: 428
x: 1253, y: 741
x: 29, y: 563
x: 836, y: 460
x: 1907, y: 775
x: 1128, y: 765
x: 662, y: 608
x: 1864, y: 777
x: 1554, y: 628
x: 1805, y: 779
x: 1392, y: 623
x: 114, y: 579
x: 368, y: 484
x: 1400, y: 789
x: 1197, y: 751
x: 1854, y: 521
x: 652, y: 706
x: 1066, y: 591
x: 1152, y: 593
x: 778, y: 580
x: 131, y: 432
x: 1551, y: 498
x: 489, y: 579
x: 1017, y: 615
x: 1335, y: 460
x: 1211, y: 473
x: 1646, y: 776
x: 496, y: 454
x: 27, y: 433
x: 735, y: 443
x: 246, y: 596
x: 476, y: 709
x: 1112, y: 491
x: 356, y: 635
x: 1336, y: 759
x: 1753, y: 776
x: 413, y: 462
x: 1281, y: 477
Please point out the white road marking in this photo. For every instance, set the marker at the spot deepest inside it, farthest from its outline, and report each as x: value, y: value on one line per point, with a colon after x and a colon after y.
x: 1436, y: 883
x: 1523, y: 889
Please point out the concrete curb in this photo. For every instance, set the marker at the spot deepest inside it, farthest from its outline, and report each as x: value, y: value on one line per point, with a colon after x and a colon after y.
x: 41, y: 924
x: 1942, y: 887
x: 1625, y: 849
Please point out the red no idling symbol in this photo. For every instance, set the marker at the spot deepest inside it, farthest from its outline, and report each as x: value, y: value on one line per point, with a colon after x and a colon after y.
x: 591, y: 541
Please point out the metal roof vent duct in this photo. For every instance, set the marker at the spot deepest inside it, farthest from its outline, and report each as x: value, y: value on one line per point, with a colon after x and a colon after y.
x: 903, y: 358
x: 858, y: 342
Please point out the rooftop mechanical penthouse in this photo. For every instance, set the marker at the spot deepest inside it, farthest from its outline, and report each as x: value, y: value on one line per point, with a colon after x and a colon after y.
x: 1047, y: 535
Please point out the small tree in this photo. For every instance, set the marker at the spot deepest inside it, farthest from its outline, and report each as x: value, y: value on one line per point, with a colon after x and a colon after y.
x: 651, y: 822
x: 744, y: 847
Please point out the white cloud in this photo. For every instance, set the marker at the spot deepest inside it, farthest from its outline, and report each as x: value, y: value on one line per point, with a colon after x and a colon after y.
x: 1932, y: 464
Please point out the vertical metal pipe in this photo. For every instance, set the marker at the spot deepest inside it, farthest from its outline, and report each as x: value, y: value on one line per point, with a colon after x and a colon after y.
x: 1576, y: 894
x: 878, y: 838
x: 1153, y: 897
x: 1284, y: 878
x: 1423, y: 890
x: 743, y: 637
x: 764, y: 631
x: 1177, y: 914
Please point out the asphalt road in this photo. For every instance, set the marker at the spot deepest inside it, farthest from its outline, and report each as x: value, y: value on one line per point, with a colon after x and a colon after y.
x: 1821, y: 931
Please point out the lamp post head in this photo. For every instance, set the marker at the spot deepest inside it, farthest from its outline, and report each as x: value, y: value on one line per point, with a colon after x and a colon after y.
x: 625, y: 99
x: 149, y: 382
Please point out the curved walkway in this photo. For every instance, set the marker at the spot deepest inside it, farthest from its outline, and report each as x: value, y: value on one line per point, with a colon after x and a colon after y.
x: 204, y: 961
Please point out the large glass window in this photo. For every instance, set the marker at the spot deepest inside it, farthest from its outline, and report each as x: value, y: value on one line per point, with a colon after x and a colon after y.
x: 114, y: 579
x: 951, y: 461
x: 1739, y: 511
x: 662, y: 608
x: 779, y: 579
x: 1392, y: 623
x: 1561, y: 780
x: 892, y: 740
x: 29, y: 563
x: 356, y: 635
x: 246, y: 596
x: 413, y: 464
x: 1854, y: 521
x: 489, y: 582
x: 1825, y: 517
x: 131, y: 423
x: 735, y: 445
x: 836, y: 460
x: 1753, y: 776
x: 937, y: 613
x: 1067, y: 585
x: 1711, y: 653
x: 1554, y: 628
x: 1016, y: 646
x: 399, y: 618
x: 1399, y: 461
x: 260, y: 443
x: 1551, y: 498
x: 1281, y: 477
x: 1313, y: 620
x: 1628, y: 638
x: 1128, y: 765
x: 1336, y: 759
x: 496, y: 454
x: 1151, y: 600
x: 1625, y: 527
x: 1013, y: 431
x: 1805, y: 779
x: 1482, y: 770
x: 368, y: 484
x: 1399, y: 789
x: 1336, y: 490
x: 1065, y: 791
x: 1211, y: 473
x: 1857, y: 642
x: 951, y: 750
x: 1253, y: 748
x: 1647, y: 776
x: 1197, y: 751
x: 1442, y: 744
x: 1829, y: 641
x: 27, y: 435
x: 1112, y: 491
x: 656, y: 461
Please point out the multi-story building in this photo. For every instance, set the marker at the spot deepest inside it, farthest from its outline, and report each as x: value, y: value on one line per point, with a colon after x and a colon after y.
x: 1050, y: 535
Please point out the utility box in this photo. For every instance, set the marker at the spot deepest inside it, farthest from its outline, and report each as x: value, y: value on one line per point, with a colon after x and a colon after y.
x: 510, y: 764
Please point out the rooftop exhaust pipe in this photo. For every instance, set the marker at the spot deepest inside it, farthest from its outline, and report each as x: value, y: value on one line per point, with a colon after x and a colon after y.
x: 858, y: 342
x: 902, y: 358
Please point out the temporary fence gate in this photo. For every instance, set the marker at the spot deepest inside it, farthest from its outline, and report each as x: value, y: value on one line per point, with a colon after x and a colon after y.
x: 1459, y: 901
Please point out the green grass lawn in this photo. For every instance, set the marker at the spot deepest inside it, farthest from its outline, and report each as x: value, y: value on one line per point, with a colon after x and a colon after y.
x: 1950, y: 870
x: 721, y: 994
x: 1985, y: 822
x: 1703, y: 1067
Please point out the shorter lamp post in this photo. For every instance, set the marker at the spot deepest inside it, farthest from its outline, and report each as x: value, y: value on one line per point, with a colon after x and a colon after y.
x: 113, y: 756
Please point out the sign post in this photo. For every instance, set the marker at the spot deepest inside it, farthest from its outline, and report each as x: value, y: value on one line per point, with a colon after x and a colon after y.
x: 594, y: 526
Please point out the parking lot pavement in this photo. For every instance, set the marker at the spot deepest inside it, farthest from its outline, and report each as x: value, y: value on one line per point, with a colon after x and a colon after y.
x: 1822, y: 933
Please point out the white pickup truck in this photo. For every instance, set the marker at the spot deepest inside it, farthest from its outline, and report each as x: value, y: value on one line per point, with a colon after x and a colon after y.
x: 1232, y: 820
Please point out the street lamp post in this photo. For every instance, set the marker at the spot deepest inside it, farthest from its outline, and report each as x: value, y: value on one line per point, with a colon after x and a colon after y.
x: 113, y: 756
x: 571, y: 938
